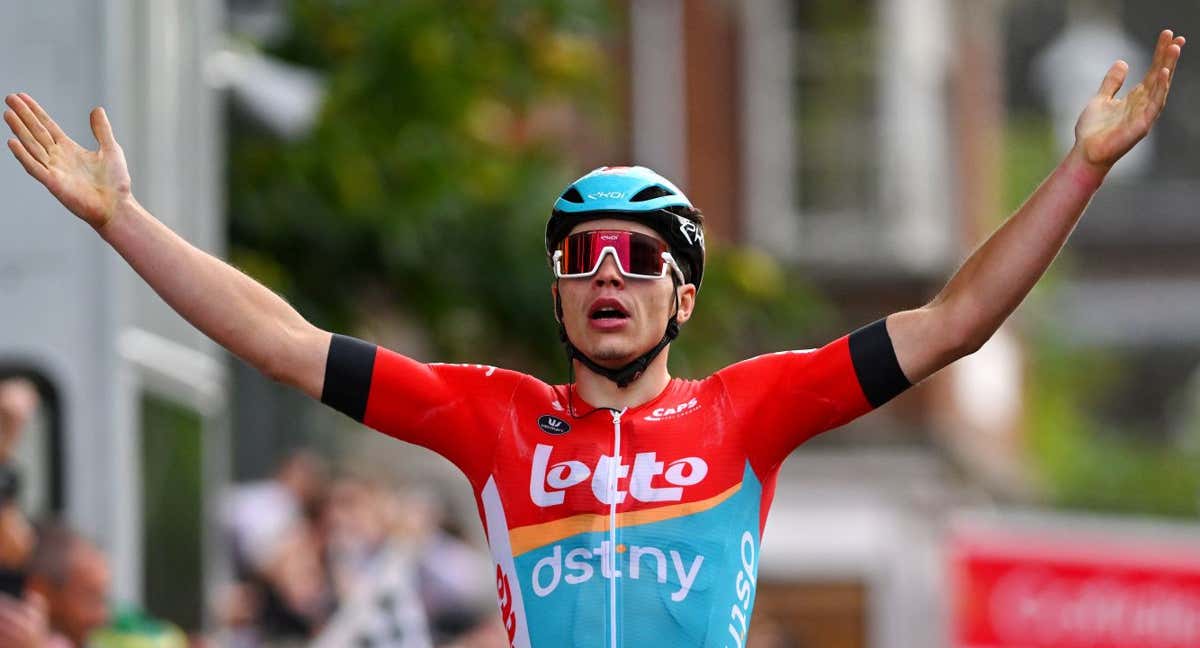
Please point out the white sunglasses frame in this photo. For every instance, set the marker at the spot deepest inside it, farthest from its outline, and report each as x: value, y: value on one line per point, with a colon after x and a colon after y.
x: 668, y: 262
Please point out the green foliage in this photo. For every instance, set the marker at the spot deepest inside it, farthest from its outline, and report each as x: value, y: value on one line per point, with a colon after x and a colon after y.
x: 426, y: 184
x: 1083, y: 461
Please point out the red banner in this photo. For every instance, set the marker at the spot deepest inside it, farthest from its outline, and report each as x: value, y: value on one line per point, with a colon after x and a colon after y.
x: 1025, y: 589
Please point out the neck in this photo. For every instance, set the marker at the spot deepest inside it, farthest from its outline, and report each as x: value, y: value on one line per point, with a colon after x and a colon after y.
x: 602, y: 392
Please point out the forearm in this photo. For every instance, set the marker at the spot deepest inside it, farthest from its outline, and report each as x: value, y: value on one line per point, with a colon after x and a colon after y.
x: 238, y: 313
x: 997, y: 276
x: 1001, y: 272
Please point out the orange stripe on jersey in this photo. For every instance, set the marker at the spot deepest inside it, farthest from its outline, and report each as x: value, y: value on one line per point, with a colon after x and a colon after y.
x: 533, y: 536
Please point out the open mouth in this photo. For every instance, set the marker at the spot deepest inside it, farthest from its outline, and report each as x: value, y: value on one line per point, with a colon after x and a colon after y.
x: 608, y: 309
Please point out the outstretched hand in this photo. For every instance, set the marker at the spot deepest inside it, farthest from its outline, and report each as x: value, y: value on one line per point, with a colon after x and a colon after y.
x: 89, y: 183
x: 1109, y: 127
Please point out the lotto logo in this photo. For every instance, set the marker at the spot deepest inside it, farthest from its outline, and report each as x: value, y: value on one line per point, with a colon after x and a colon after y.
x: 548, y: 483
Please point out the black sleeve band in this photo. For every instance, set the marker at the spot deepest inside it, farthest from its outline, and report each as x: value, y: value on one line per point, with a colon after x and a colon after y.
x: 875, y: 363
x: 348, y: 372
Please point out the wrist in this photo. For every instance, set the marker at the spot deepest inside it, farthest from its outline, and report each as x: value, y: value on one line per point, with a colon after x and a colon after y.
x: 125, y: 208
x: 1084, y: 173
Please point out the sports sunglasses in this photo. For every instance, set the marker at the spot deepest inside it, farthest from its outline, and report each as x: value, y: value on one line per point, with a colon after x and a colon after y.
x: 638, y: 256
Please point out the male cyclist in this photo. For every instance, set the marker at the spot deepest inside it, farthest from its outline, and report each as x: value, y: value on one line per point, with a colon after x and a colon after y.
x: 624, y: 508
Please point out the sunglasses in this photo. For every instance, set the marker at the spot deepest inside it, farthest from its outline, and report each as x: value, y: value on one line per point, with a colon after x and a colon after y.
x: 638, y: 256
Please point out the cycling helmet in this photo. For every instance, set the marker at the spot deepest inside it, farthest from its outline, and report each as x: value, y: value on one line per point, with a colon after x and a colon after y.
x: 637, y: 194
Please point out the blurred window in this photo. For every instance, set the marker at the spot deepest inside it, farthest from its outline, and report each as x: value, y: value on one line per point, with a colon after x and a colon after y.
x: 172, y: 503
x: 837, y: 165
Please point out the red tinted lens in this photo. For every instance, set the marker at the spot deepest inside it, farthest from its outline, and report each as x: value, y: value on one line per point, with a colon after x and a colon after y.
x: 637, y: 254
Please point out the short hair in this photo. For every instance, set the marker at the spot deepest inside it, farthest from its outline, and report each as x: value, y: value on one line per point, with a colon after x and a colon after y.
x: 51, y: 559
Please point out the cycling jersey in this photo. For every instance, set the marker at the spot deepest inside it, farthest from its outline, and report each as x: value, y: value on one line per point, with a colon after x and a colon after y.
x: 620, y: 528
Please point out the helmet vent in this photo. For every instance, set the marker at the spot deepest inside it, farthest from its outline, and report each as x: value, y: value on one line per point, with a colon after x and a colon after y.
x: 652, y: 192
x: 572, y: 195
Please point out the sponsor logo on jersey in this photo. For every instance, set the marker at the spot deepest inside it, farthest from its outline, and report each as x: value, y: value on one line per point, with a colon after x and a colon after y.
x: 551, y: 424
x: 681, y: 409
x: 548, y: 482
x: 635, y: 562
x: 743, y: 587
x: 504, y: 594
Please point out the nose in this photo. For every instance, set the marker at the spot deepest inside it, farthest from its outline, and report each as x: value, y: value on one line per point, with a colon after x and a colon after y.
x: 609, y: 273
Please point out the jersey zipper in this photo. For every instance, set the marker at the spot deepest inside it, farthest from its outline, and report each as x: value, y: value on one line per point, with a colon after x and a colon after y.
x: 613, y: 474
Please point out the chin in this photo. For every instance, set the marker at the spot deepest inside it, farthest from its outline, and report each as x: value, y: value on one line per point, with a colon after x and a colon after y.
x: 612, y: 357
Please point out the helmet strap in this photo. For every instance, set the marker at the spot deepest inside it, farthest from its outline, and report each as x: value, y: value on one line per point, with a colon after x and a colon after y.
x: 625, y: 375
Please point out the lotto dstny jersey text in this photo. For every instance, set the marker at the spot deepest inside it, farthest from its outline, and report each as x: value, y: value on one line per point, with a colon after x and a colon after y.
x: 620, y: 528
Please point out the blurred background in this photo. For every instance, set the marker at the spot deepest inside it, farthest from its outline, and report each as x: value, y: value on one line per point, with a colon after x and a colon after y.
x: 388, y: 167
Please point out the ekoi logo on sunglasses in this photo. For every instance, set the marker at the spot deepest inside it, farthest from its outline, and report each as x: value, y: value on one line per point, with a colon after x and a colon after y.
x: 687, y: 471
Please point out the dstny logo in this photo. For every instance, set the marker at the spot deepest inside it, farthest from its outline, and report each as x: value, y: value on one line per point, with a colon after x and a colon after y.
x: 646, y: 466
x: 579, y: 566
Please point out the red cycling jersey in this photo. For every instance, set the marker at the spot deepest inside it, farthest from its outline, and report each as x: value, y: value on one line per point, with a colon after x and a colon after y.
x: 616, y: 528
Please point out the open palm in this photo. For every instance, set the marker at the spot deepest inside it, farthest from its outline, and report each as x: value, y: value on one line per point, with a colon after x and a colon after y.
x: 1109, y: 126
x: 89, y: 183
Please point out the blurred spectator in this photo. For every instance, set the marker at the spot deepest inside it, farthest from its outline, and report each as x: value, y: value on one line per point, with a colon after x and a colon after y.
x: 259, y: 515
x: 23, y: 621
x: 283, y: 593
x: 372, y: 568
x: 72, y: 576
x: 18, y: 403
x: 456, y: 599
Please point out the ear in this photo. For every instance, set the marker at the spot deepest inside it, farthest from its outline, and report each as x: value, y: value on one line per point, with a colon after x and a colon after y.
x: 557, y: 304
x: 687, y: 302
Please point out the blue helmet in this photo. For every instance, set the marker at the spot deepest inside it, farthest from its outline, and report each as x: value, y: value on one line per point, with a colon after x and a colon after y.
x: 637, y: 194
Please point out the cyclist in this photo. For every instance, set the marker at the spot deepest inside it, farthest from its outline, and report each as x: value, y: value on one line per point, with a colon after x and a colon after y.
x: 626, y: 507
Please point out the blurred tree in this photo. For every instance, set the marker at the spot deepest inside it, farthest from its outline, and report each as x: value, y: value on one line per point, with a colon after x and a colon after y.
x: 426, y: 183
x: 1082, y: 458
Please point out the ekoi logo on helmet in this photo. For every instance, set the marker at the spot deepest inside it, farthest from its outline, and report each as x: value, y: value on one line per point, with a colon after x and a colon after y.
x: 691, y: 231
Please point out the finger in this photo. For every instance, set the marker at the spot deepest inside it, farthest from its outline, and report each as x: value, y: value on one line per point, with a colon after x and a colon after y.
x: 1114, y: 79
x: 103, y: 130
x: 1160, y: 55
x: 1158, y: 96
x: 27, y: 139
x: 1174, y: 50
x: 32, y: 166
x: 32, y: 123
x: 44, y: 117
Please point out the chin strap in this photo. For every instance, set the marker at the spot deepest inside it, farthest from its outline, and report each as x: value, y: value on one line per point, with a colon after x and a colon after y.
x: 630, y: 372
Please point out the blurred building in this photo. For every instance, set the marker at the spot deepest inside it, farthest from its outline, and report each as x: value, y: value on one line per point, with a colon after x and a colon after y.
x: 865, y: 141
x: 132, y: 443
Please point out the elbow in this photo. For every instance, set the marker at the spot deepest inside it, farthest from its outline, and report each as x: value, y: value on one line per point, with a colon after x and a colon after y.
x: 963, y: 336
x: 969, y: 343
x: 278, y: 358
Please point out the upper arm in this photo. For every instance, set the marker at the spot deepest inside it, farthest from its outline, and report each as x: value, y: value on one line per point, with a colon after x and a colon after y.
x: 786, y: 398
x: 450, y: 409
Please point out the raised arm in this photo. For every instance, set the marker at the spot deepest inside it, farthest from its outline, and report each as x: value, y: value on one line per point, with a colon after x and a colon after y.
x: 238, y: 313
x: 998, y: 275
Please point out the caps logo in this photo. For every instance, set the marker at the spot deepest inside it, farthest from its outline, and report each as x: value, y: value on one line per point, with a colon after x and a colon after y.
x: 553, y: 425
x: 681, y: 409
